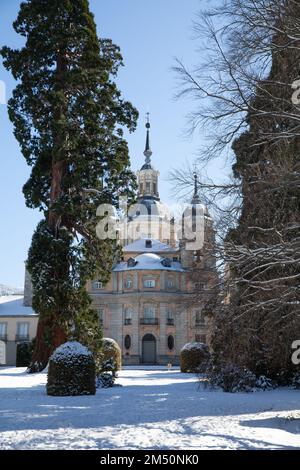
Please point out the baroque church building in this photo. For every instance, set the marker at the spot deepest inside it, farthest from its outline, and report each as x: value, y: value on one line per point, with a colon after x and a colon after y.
x: 150, y: 306
x: 153, y: 303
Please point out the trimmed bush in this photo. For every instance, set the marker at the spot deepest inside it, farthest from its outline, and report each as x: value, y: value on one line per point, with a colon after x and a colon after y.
x: 71, y: 371
x: 111, y: 355
x: 106, y: 380
x: 24, y: 354
x: 194, y: 357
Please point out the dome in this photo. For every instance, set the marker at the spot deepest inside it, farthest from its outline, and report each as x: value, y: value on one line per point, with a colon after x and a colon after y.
x: 148, y: 258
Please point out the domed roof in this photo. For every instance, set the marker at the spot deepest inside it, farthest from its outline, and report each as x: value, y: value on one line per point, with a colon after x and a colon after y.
x: 148, y: 258
x: 149, y: 261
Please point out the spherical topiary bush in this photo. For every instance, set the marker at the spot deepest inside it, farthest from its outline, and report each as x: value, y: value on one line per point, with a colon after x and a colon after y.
x: 111, y: 355
x: 71, y: 371
x: 194, y: 357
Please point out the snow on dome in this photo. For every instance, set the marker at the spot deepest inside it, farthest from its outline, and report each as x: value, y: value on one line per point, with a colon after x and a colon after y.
x: 68, y: 350
x: 148, y: 258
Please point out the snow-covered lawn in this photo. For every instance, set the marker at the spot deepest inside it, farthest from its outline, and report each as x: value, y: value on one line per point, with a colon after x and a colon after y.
x: 155, y: 409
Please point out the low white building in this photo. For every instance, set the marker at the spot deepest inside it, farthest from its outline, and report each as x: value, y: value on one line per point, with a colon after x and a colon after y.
x: 18, y: 323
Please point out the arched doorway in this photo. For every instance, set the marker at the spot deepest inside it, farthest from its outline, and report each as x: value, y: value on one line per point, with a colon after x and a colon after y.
x: 149, y: 349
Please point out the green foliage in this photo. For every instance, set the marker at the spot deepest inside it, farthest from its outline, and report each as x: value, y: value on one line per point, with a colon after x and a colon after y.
x: 194, y: 357
x: 69, y: 119
x: 24, y: 353
x: 71, y: 374
x: 111, y: 355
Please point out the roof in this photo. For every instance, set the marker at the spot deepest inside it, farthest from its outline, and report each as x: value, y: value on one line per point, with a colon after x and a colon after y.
x: 12, y: 306
x: 149, y: 261
x: 139, y: 246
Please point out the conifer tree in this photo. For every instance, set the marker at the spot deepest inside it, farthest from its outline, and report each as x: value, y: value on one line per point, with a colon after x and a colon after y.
x: 68, y: 117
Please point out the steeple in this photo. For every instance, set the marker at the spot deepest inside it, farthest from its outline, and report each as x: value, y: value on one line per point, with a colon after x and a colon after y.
x: 147, y: 151
x: 196, y: 197
x: 148, y: 176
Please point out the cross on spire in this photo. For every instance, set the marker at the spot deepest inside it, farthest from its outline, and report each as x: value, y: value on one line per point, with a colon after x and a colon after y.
x: 148, y: 151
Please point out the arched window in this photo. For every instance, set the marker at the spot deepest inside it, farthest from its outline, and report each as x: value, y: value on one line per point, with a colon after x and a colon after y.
x: 170, y: 342
x: 127, y: 342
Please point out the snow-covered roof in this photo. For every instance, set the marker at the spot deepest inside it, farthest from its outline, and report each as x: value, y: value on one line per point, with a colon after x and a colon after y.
x: 149, y: 261
x: 12, y: 306
x: 140, y: 246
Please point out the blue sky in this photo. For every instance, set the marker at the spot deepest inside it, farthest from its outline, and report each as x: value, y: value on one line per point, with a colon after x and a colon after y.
x: 151, y: 34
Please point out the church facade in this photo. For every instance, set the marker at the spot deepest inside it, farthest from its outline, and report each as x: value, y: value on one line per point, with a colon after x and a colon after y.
x: 149, y: 306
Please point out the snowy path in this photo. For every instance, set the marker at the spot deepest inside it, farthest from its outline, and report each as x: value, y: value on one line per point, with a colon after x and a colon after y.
x: 155, y: 409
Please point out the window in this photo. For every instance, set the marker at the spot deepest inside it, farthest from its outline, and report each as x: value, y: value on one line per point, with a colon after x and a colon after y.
x: 201, y: 285
x: 200, y: 320
x: 141, y: 187
x: 127, y: 342
x: 175, y: 258
x: 148, y: 187
x: 170, y: 342
x: 101, y: 316
x: 127, y: 316
x: 200, y: 338
x: 128, y: 283
x: 149, y: 283
x: 148, y: 243
x: 149, y: 311
x: 170, y: 318
x: 154, y: 188
x: 3, y: 331
x: 22, y: 331
x: 97, y: 285
x: 170, y: 283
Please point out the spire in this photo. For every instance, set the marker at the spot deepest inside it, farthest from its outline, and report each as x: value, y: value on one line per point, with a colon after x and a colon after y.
x: 148, y: 151
x: 196, y: 197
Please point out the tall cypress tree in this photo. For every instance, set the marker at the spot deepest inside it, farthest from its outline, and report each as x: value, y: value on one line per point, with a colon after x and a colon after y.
x: 68, y: 117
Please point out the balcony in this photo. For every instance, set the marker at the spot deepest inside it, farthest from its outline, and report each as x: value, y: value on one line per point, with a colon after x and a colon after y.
x: 3, y: 337
x: 128, y: 321
x: 170, y: 321
x: 22, y: 338
x: 149, y: 321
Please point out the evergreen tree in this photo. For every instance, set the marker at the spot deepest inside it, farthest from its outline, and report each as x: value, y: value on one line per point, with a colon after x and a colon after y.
x: 68, y: 117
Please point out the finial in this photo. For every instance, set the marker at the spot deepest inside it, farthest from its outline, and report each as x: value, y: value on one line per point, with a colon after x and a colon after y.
x: 148, y: 151
x: 196, y: 198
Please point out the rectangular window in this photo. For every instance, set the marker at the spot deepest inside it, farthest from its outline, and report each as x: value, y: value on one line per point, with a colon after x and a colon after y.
x: 3, y: 331
x: 23, y: 331
x: 141, y: 187
x: 128, y: 283
x: 170, y: 283
x: 148, y: 187
x: 101, y: 315
x: 154, y: 188
x: 170, y: 318
x: 200, y: 320
x: 149, y: 311
x: 149, y: 283
x: 128, y: 316
x: 97, y: 285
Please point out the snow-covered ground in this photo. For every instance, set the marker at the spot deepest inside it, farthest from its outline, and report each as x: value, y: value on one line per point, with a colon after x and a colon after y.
x: 155, y: 409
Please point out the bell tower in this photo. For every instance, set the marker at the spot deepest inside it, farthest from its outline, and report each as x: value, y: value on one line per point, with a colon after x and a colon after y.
x: 147, y: 176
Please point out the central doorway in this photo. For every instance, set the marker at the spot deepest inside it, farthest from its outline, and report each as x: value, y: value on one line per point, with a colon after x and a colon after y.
x: 149, y: 349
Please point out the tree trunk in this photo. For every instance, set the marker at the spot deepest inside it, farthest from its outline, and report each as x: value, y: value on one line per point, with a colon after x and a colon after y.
x: 43, y: 347
x: 50, y: 331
